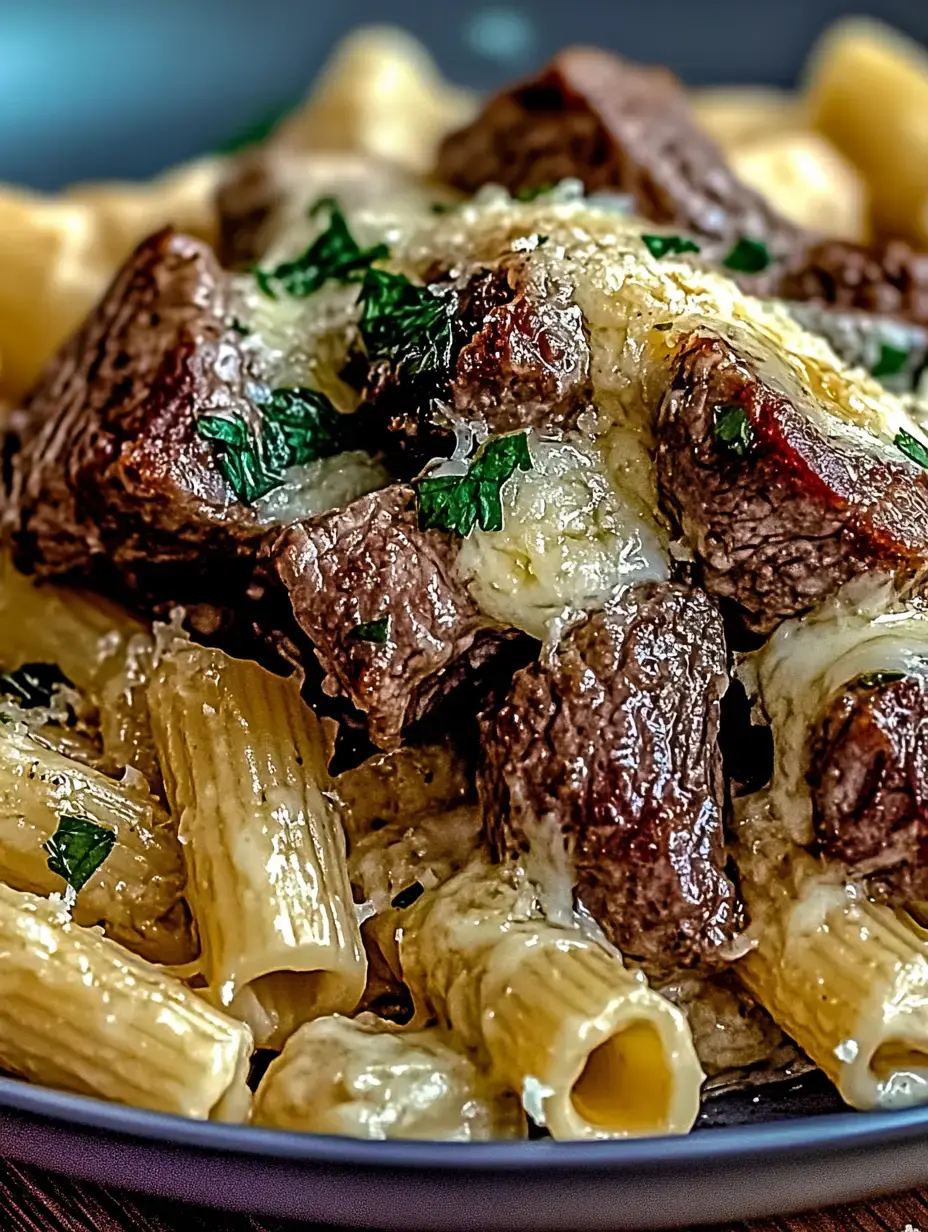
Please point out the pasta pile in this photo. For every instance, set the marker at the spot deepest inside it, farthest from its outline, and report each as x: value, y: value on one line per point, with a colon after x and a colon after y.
x: 198, y: 915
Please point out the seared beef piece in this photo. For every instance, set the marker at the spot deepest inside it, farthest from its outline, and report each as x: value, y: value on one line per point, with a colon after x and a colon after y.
x: 889, y: 278
x: 613, y: 125
x: 610, y: 748
x: 869, y: 781
x: 794, y: 504
x: 370, y: 562
x: 522, y: 360
x: 110, y: 483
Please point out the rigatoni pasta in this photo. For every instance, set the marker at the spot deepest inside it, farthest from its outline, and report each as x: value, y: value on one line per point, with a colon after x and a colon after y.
x: 268, y: 884
x: 80, y: 1013
x: 599, y: 1055
x: 366, y: 1078
x: 137, y: 890
x: 848, y: 979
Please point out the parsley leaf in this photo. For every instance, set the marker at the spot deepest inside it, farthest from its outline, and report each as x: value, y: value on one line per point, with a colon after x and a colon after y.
x: 532, y: 194
x: 912, y: 448
x: 333, y: 255
x: 406, y: 324
x: 669, y: 245
x: 33, y: 684
x: 298, y: 426
x: 873, y: 680
x: 78, y: 848
x: 377, y: 631
x: 457, y: 502
x: 732, y: 430
x: 748, y: 257
x: 891, y: 362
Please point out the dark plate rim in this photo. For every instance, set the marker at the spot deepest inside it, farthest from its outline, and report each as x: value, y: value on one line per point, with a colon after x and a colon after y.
x: 841, y: 1131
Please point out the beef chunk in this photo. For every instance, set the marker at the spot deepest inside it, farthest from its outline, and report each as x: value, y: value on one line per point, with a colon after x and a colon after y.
x: 110, y: 482
x: 889, y: 278
x: 610, y: 747
x: 781, y: 501
x: 869, y: 780
x: 522, y: 360
x: 613, y: 125
x: 393, y: 628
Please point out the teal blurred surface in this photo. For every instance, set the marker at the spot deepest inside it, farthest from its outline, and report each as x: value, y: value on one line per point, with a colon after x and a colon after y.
x: 125, y: 87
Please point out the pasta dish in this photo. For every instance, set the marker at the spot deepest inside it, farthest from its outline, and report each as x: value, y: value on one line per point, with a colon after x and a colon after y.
x: 463, y: 619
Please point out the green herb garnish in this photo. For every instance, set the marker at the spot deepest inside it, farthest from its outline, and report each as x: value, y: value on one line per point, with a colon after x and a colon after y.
x: 377, y: 631
x: 532, y: 194
x: 457, y: 502
x: 406, y: 324
x: 748, y: 257
x: 891, y: 362
x: 298, y: 426
x: 874, y: 680
x: 334, y: 256
x: 33, y: 684
x: 732, y: 430
x: 912, y: 448
x: 77, y: 849
x: 239, y: 327
x: 669, y: 245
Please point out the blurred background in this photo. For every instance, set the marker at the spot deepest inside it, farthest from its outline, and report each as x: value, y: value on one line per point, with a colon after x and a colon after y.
x: 102, y: 88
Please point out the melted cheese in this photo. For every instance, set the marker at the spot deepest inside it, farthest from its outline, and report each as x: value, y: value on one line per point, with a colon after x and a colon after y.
x: 865, y: 628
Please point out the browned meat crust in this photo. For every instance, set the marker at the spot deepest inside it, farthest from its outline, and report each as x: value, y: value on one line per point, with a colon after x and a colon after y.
x: 869, y: 780
x: 797, y: 512
x: 890, y: 279
x: 369, y: 562
x: 110, y: 482
x: 613, y: 125
x: 611, y: 747
x: 522, y: 360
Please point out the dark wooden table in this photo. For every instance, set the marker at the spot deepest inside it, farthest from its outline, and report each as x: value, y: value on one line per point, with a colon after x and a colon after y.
x: 31, y: 1201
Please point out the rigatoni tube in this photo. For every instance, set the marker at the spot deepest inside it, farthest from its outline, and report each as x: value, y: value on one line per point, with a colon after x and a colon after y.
x: 590, y: 1048
x: 102, y: 649
x: 137, y: 892
x: 366, y: 1078
x: 848, y: 980
x: 80, y: 1013
x: 244, y: 770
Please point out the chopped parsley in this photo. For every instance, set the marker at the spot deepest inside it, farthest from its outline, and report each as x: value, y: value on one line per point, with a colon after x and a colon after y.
x: 405, y: 323
x: 33, y: 684
x: 669, y: 245
x: 298, y: 426
x: 874, y: 680
x: 912, y: 448
x: 334, y: 255
x: 239, y: 327
x: 532, y: 194
x: 457, y: 502
x: 891, y: 362
x: 748, y: 257
x: 732, y: 430
x: 376, y: 631
x: 77, y: 849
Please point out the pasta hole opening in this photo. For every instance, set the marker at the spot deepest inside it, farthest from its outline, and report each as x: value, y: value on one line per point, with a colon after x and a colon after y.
x: 899, y: 1056
x: 625, y: 1084
x: 276, y: 1004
